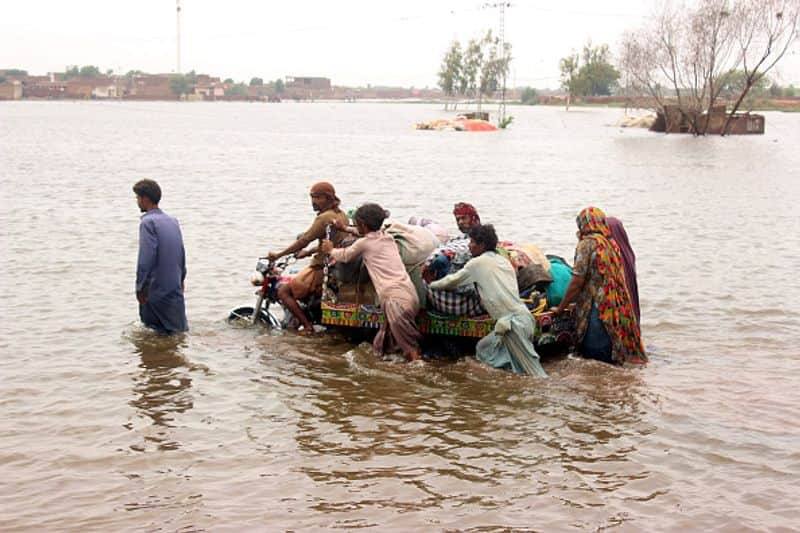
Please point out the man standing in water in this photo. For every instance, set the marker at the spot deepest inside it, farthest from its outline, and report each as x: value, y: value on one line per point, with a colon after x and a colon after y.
x: 309, y: 281
x: 161, y: 268
x: 510, y: 345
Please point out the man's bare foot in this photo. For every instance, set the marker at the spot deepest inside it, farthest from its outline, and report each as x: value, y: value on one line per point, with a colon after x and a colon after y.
x: 413, y: 356
x: 306, y: 332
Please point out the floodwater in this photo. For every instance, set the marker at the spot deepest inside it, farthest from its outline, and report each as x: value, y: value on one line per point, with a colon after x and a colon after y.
x: 105, y: 426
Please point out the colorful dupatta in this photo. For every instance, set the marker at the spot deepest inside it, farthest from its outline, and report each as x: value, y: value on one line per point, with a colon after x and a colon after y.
x: 613, y: 301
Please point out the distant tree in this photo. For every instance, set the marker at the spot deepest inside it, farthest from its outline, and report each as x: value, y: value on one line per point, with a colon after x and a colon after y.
x: 598, y: 75
x: 109, y: 72
x: 477, y: 70
x: 590, y: 74
x: 471, y: 68
x: 256, y: 82
x: 529, y: 96
x: 228, y: 80
x: 279, y: 86
x: 494, y: 68
x: 236, y: 89
x: 14, y: 72
x: 2, y: 78
x: 132, y: 73
x: 450, y: 70
x: 181, y: 84
x: 86, y: 71
x: 733, y: 83
x: 89, y: 71
x: 570, y: 81
x: 777, y: 91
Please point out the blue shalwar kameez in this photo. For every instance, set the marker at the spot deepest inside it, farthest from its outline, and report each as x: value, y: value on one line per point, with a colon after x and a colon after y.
x: 510, y: 345
x: 160, y: 272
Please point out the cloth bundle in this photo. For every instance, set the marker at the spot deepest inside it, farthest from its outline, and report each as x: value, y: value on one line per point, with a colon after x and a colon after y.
x: 415, y: 243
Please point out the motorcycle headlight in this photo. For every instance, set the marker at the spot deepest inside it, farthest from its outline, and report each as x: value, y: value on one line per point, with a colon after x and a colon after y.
x: 257, y: 278
x: 262, y: 266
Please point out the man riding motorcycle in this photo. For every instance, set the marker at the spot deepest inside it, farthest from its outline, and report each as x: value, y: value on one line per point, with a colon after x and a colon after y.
x: 308, y: 282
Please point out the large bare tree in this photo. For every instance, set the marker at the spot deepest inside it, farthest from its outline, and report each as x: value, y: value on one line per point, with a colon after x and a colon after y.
x: 765, y: 31
x: 688, y: 52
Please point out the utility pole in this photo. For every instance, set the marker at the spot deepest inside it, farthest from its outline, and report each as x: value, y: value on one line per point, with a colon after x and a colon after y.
x: 178, y: 35
x: 502, y: 37
x: 502, y: 118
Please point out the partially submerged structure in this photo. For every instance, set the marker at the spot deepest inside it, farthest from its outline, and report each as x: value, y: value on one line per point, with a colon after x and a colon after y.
x: 674, y: 119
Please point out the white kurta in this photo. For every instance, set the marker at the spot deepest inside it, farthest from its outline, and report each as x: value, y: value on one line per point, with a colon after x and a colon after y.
x: 510, y: 346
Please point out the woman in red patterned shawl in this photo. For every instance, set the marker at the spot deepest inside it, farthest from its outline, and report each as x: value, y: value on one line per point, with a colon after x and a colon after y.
x: 606, y: 324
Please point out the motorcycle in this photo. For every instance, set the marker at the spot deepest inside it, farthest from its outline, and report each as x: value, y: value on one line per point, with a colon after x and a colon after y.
x: 268, y: 277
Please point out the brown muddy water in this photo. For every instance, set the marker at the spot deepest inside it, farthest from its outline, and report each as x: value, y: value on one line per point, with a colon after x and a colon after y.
x: 107, y: 427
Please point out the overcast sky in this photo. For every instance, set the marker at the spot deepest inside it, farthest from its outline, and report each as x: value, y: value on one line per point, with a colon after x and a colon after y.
x: 352, y: 42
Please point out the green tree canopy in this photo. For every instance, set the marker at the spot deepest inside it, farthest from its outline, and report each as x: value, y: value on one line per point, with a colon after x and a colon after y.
x: 569, y: 73
x: 89, y: 71
x: 86, y: 71
x: 590, y: 74
x: 470, y: 69
x: 256, y: 82
x: 236, y: 89
x: 181, y: 84
x: 476, y: 70
x: 733, y: 82
x: 279, y: 86
x: 529, y: 96
x: 450, y: 71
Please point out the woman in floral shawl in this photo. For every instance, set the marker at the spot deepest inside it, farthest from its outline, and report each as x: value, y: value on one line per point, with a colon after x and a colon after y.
x: 606, y: 325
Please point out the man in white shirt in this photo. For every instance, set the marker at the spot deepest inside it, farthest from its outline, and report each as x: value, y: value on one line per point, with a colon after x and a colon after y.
x: 510, y: 345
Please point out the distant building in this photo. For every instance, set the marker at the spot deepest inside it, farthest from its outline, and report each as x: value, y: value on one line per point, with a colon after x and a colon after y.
x: 307, y: 88
x: 209, y: 88
x: 43, y: 87
x: 151, y: 87
x: 79, y: 88
x: 11, y: 90
x: 672, y: 119
x: 107, y: 90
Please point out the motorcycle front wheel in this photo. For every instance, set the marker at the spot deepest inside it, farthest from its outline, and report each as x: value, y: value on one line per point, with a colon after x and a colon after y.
x: 244, y: 316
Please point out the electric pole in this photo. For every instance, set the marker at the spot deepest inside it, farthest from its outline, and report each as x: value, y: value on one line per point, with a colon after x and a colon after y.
x: 178, y: 35
x: 502, y: 36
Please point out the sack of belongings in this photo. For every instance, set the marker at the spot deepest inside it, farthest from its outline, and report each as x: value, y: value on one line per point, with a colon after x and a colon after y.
x: 415, y: 243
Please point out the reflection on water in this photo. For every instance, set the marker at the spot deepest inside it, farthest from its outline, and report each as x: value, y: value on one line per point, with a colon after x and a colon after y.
x: 466, y: 435
x: 162, y: 388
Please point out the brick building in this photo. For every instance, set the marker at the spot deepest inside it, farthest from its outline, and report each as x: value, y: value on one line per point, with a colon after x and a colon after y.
x: 11, y: 90
x: 151, y: 87
x: 307, y: 88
